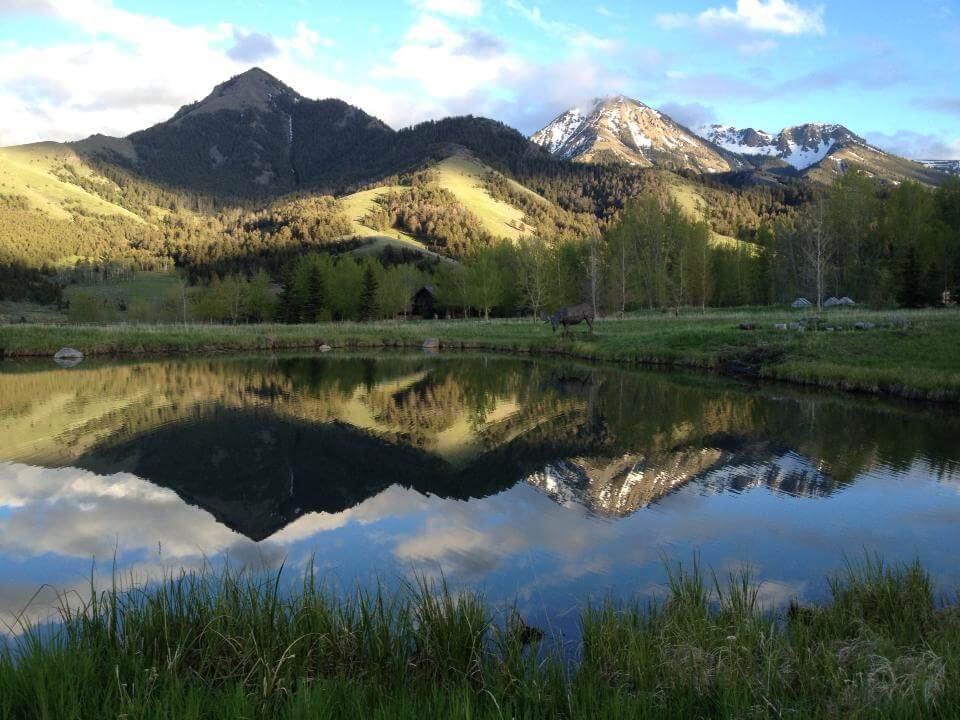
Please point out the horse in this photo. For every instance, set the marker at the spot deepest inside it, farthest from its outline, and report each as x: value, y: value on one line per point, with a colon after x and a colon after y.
x: 572, y: 316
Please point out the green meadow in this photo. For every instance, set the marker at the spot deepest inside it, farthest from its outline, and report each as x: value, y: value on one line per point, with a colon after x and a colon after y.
x: 904, y: 353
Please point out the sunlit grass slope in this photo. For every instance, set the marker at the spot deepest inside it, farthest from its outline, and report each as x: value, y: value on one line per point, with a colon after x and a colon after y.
x: 463, y: 175
x: 36, y: 172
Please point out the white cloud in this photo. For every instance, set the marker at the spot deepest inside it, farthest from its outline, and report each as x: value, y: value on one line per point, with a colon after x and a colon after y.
x: 691, y: 115
x: 131, y: 71
x: 458, y: 8
x: 572, y: 34
x: 769, y: 16
x: 916, y: 145
x: 449, y: 63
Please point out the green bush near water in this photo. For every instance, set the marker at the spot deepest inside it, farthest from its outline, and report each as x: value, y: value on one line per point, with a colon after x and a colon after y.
x: 235, y: 646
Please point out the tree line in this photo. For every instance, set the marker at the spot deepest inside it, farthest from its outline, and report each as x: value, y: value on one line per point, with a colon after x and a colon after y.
x: 884, y: 247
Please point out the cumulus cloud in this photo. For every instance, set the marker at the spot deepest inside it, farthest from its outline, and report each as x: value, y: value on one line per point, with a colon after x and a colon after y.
x: 117, y: 73
x: 779, y: 17
x: 449, y: 63
x: 252, y: 46
x: 916, y: 145
x: 481, y: 44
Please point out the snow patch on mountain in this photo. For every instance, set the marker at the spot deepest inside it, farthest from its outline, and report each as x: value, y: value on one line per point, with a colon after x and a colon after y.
x: 951, y: 167
x: 629, y: 131
x: 801, y: 146
x: 558, y: 133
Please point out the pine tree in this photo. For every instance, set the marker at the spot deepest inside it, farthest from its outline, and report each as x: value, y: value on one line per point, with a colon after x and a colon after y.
x: 911, y: 281
x: 368, y: 294
x: 288, y: 310
x: 316, y: 295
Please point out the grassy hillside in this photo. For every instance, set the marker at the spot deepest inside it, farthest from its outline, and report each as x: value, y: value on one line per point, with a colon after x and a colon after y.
x: 695, y: 200
x: 463, y: 175
x: 358, y: 205
x: 41, y: 173
x: 452, y: 197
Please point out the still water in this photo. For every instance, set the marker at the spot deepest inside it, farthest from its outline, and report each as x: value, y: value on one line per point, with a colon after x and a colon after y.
x: 541, y: 483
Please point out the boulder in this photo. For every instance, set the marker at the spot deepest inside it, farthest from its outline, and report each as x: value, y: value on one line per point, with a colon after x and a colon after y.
x: 67, y: 357
x: 780, y: 326
x: 68, y: 353
x: 324, y: 348
x: 864, y: 326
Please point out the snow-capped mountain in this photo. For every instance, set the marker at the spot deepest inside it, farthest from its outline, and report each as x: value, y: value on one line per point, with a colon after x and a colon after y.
x: 800, y: 146
x: 951, y: 167
x: 618, y: 129
x: 619, y: 486
x: 819, y: 151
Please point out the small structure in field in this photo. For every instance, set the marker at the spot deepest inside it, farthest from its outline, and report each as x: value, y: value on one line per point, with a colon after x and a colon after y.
x: 801, y: 304
x: 423, y: 301
x: 838, y: 302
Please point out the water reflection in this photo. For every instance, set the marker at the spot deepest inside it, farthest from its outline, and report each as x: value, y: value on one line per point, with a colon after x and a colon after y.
x: 546, y: 481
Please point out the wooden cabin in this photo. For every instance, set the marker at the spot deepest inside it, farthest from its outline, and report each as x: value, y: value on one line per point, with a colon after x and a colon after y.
x: 423, y: 302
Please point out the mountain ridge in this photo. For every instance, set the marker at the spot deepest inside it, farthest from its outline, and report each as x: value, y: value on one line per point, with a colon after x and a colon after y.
x: 620, y: 128
x: 597, y: 135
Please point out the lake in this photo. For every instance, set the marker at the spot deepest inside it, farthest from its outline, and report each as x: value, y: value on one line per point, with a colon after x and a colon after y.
x: 544, y: 483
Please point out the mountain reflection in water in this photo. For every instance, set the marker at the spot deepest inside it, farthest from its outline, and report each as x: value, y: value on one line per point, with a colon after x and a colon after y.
x: 285, y: 452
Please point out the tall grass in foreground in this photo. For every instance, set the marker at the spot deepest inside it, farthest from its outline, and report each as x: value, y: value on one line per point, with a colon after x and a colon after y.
x: 236, y: 646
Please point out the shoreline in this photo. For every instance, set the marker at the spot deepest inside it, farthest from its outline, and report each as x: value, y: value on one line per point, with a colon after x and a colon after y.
x: 913, y: 355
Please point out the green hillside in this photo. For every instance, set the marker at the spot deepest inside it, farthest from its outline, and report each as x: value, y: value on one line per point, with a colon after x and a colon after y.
x: 48, y: 176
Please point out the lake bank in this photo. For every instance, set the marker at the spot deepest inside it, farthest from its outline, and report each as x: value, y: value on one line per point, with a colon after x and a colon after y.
x: 908, y: 354
x: 228, y: 645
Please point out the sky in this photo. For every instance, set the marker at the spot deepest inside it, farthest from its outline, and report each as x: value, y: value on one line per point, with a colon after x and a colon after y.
x: 884, y: 68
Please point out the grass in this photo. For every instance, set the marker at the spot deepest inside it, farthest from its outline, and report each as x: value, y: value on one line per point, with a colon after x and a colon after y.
x: 144, y: 284
x: 463, y: 176
x: 31, y: 171
x: 911, y: 354
x: 238, y: 646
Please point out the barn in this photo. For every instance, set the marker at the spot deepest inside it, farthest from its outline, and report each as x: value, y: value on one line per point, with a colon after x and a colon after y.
x: 423, y: 302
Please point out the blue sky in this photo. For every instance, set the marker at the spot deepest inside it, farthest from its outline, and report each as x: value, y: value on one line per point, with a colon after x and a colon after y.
x: 885, y: 69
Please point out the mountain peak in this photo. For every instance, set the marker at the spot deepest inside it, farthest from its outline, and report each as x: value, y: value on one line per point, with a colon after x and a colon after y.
x: 253, y: 89
x: 618, y: 128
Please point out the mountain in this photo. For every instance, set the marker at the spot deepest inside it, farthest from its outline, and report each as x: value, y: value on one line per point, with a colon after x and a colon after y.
x: 800, y: 146
x: 951, y: 167
x: 620, y: 130
x: 818, y: 151
x: 254, y: 136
